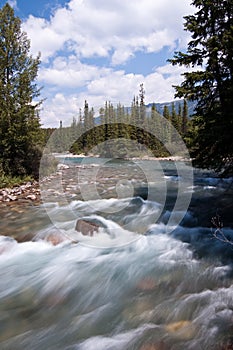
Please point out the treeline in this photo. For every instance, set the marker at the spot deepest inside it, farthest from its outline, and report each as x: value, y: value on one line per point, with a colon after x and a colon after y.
x: 121, y: 131
x: 21, y: 138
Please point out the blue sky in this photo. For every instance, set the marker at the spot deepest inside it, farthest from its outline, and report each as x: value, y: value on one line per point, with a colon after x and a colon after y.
x: 102, y: 50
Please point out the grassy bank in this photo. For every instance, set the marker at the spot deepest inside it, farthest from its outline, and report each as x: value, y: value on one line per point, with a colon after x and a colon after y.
x: 8, y: 181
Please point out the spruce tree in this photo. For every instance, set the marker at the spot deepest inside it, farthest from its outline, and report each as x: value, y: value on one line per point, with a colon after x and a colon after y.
x: 19, y: 120
x: 175, y: 118
x: 210, y: 51
x: 142, y: 108
x: 185, y: 118
x: 167, y: 126
x: 156, y: 128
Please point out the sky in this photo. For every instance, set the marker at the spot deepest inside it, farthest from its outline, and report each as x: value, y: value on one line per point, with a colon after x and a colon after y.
x: 102, y: 50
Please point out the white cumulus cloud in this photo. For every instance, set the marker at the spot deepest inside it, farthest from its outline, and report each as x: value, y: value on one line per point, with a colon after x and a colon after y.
x: 109, y: 27
x: 75, y: 39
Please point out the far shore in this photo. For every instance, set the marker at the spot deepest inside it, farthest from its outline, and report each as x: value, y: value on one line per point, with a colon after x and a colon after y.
x: 170, y: 158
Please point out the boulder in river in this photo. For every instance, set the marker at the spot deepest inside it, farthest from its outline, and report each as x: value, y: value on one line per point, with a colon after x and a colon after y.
x: 86, y: 227
x: 55, y: 238
x: 52, y: 236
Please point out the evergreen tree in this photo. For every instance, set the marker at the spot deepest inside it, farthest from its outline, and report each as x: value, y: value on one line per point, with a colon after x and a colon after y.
x: 179, y: 110
x: 185, y: 118
x: 19, y: 120
x: 134, y: 117
x: 86, y: 116
x: 142, y: 109
x: 156, y: 128
x: 101, y: 129
x: 175, y: 118
x: 85, y: 125
x: 211, y: 49
x: 89, y: 136
x: 137, y: 112
x: 92, y: 137
x: 167, y: 128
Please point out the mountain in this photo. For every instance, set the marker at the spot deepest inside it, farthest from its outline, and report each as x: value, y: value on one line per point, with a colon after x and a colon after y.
x: 160, y: 106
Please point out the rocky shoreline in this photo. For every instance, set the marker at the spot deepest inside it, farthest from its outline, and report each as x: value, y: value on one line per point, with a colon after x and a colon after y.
x: 29, y: 191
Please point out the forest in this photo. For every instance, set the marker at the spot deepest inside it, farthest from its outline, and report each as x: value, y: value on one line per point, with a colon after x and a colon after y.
x: 120, y: 125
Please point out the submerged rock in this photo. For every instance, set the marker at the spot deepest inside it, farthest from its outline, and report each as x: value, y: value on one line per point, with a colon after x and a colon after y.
x: 184, y: 330
x: 6, y: 244
x: 140, y: 310
x: 147, y: 284
x: 157, y: 346
x: 54, y: 237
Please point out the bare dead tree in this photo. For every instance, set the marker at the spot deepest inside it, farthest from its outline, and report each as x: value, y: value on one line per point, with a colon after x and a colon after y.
x: 217, y: 230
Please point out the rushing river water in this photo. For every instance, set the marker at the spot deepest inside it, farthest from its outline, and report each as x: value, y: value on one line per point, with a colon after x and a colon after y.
x: 153, y: 278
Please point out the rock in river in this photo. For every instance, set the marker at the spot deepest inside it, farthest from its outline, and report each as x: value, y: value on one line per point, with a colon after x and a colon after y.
x: 86, y: 227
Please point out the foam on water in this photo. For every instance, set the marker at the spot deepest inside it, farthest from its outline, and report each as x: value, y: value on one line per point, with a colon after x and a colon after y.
x: 94, y: 296
x: 117, y: 342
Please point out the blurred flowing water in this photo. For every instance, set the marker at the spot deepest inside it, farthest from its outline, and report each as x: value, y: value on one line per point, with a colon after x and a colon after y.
x: 150, y: 279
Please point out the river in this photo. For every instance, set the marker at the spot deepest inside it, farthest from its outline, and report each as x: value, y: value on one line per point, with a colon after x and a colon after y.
x: 153, y: 278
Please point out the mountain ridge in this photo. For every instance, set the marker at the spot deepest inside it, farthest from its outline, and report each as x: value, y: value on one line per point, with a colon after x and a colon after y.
x: 160, y: 106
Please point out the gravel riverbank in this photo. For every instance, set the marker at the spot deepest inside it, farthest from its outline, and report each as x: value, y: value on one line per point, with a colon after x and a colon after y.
x: 29, y: 191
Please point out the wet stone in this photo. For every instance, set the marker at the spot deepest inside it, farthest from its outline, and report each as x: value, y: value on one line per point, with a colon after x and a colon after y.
x: 86, y: 227
x: 55, y: 238
x: 32, y: 197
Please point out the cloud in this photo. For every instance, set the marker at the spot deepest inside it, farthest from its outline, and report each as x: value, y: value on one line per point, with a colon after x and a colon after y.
x: 116, y: 29
x: 13, y: 4
x: 60, y: 107
x: 75, y: 39
x: 114, y: 86
x: 69, y: 72
x: 43, y: 37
